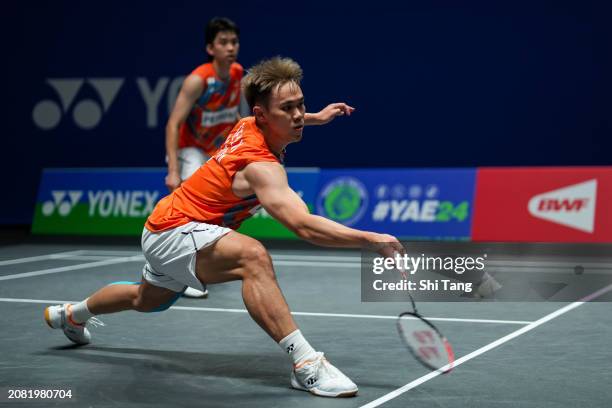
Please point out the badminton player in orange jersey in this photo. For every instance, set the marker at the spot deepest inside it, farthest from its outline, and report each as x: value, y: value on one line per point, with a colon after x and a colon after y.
x: 207, y: 107
x: 190, y: 236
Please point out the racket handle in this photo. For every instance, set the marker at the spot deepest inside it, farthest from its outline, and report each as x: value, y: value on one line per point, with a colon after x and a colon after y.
x: 398, y: 267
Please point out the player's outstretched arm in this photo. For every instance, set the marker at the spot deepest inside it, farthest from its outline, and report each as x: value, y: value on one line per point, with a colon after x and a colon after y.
x: 269, y: 181
x: 190, y: 92
x: 328, y: 114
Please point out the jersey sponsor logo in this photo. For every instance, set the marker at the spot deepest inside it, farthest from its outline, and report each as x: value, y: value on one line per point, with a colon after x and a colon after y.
x: 344, y: 199
x: 210, y: 119
x: 572, y: 206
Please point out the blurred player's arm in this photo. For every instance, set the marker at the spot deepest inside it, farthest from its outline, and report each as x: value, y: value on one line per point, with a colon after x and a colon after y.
x: 269, y: 181
x: 190, y: 92
x: 328, y: 114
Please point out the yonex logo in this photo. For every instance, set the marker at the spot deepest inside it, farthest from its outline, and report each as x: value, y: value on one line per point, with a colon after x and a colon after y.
x: 102, y: 203
x: 290, y: 348
x: 572, y: 206
x: 63, y: 201
x: 86, y: 113
x: 311, y: 381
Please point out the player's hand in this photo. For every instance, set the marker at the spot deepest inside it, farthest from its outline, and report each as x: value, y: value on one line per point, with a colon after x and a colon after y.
x: 385, y: 245
x: 172, y: 181
x: 328, y: 113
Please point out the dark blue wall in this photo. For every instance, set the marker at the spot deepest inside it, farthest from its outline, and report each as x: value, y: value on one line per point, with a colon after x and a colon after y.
x: 441, y: 83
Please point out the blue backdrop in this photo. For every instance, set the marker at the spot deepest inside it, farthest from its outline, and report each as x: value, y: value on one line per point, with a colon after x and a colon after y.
x: 440, y: 83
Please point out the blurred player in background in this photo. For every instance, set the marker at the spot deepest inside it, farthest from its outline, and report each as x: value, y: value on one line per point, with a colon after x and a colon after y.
x: 207, y: 108
x: 191, y: 234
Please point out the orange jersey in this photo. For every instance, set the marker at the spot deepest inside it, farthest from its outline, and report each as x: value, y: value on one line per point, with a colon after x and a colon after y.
x: 207, y: 195
x: 215, y: 112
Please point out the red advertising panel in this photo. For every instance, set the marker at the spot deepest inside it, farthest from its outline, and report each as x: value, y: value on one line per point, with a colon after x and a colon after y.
x: 543, y: 204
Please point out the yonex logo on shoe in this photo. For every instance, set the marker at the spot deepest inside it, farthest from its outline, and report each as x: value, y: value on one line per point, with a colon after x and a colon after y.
x: 290, y: 348
x: 87, y: 113
x: 311, y: 381
x: 60, y: 203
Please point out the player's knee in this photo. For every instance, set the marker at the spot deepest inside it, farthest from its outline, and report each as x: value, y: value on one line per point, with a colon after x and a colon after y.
x: 257, y: 262
x: 140, y: 304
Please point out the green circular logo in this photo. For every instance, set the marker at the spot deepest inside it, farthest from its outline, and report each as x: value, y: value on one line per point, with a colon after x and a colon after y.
x: 343, y: 199
x: 342, y: 202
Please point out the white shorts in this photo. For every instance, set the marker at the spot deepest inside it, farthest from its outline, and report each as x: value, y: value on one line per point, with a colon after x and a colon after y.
x: 190, y: 159
x: 171, y: 255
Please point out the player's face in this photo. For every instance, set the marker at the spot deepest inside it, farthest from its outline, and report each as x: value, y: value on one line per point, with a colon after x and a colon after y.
x: 285, y: 113
x: 224, y: 49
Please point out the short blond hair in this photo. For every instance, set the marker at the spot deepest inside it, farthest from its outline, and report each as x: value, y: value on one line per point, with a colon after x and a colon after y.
x: 267, y: 76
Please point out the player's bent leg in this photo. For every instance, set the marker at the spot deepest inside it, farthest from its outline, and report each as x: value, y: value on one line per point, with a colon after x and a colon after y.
x: 236, y: 256
x: 143, y: 297
x: 153, y: 298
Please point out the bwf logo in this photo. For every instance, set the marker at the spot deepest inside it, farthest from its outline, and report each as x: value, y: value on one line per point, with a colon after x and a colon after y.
x: 86, y: 113
x: 62, y: 201
x: 572, y: 206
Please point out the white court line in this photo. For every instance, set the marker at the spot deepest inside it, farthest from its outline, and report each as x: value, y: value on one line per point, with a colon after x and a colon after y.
x: 244, y: 311
x: 84, y: 258
x: 484, y: 349
x: 109, y: 253
x: 279, y: 257
x: 58, y: 255
x: 358, y: 316
x: 351, y: 261
x: 315, y: 263
x: 71, y: 267
x: 356, y: 257
x: 330, y: 258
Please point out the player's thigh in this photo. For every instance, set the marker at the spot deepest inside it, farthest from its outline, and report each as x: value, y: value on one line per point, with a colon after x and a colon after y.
x: 231, y: 258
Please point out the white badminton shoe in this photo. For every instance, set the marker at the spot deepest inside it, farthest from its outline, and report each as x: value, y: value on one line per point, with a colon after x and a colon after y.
x: 319, y: 377
x: 57, y: 317
x: 196, y: 293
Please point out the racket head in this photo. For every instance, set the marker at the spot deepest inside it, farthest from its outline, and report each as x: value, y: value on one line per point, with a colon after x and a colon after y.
x: 425, y: 342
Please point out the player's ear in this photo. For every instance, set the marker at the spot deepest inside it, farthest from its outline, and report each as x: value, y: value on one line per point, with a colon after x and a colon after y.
x: 259, y: 114
x: 209, y: 49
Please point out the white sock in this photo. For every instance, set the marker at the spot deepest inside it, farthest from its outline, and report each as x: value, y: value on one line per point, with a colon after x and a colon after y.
x: 297, y: 347
x: 80, y: 312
